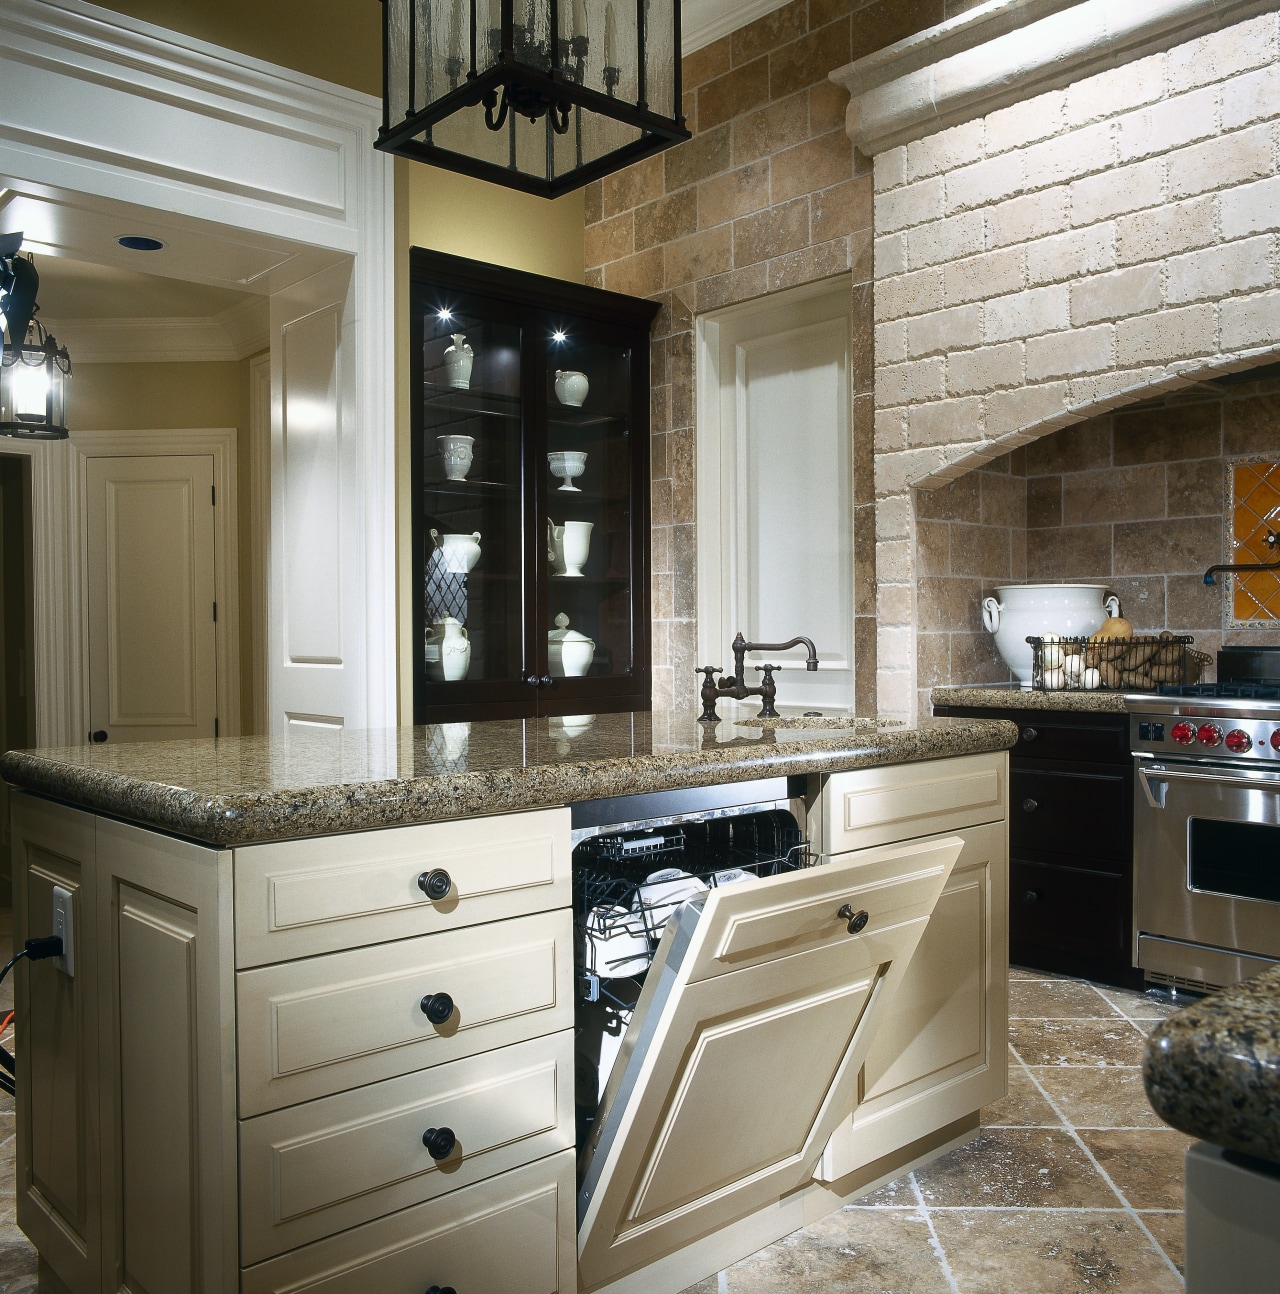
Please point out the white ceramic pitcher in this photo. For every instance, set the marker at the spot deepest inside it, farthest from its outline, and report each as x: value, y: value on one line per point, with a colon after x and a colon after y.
x: 568, y: 547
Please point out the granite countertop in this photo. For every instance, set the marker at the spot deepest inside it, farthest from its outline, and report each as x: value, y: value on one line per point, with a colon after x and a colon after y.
x: 1009, y: 696
x: 1213, y: 1068
x: 243, y: 790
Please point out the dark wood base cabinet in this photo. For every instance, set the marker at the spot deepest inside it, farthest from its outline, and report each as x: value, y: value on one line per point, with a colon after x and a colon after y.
x: 1070, y: 843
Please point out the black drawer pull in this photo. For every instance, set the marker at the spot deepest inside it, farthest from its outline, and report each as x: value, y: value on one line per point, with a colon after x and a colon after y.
x: 1029, y: 805
x: 1029, y: 734
x: 439, y: 1142
x: 436, y: 883
x: 438, y: 1008
x: 1031, y: 896
x: 857, y: 920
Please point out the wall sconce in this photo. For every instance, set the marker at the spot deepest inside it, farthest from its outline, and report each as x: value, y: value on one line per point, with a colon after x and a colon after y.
x: 539, y: 95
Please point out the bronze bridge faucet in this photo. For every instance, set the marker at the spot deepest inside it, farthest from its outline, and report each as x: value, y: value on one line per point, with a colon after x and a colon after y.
x: 736, y: 687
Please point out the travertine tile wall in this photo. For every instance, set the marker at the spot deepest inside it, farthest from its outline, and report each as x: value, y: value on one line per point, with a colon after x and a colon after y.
x: 1061, y: 257
x: 767, y: 195
x: 1136, y: 500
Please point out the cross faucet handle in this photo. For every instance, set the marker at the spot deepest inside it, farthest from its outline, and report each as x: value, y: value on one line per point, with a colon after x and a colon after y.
x: 709, y: 692
x: 768, y: 690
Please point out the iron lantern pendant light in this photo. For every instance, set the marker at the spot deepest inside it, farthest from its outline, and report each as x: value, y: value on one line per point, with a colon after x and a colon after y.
x: 539, y: 95
x: 33, y: 387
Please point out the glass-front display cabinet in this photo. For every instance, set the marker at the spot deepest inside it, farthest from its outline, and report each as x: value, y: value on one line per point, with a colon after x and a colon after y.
x: 530, y: 463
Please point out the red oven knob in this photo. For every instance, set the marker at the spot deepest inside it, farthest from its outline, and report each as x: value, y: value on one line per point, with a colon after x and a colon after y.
x: 1238, y: 741
x: 1209, y: 734
x: 1275, y: 739
x: 1184, y: 734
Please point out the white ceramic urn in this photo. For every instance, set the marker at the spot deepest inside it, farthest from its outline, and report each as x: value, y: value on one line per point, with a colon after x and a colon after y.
x: 571, y: 387
x: 448, y: 651
x: 458, y: 360
x: 1019, y: 611
x: 569, y: 653
x: 458, y: 552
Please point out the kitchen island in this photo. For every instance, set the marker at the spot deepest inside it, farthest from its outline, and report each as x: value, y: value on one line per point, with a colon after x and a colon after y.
x: 300, y: 962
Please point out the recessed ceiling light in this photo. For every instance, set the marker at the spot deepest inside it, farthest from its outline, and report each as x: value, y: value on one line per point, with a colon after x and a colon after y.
x: 140, y: 243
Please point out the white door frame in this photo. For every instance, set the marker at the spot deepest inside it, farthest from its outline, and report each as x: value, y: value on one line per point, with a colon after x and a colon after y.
x: 219, y: 443
x: 103, y: 105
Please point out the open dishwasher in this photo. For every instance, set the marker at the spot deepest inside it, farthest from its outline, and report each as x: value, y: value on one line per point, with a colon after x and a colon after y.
x: 728, y: 988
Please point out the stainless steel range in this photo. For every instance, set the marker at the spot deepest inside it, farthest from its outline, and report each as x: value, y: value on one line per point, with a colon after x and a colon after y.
x: 1207, y: 825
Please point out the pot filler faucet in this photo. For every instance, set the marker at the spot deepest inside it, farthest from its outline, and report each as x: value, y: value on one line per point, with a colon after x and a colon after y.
x: 1271, y: 541
x: 736, y: 687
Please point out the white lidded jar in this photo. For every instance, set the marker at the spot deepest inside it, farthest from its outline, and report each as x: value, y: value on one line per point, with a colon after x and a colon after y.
x: 569, y: 653
x: 1019, y: 611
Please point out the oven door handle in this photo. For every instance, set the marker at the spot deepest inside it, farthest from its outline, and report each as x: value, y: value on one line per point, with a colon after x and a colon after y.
x: 1155, y: 782
x: 1155, y: 786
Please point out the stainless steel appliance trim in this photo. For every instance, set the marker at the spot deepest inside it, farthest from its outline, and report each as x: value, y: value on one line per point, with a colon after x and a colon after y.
x: 1237, y: 779
x: 1185, y: 960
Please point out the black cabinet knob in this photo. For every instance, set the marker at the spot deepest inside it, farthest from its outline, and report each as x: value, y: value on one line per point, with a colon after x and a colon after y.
x: 438, y: 1007
x: 436, y: 883
x: 857, y: 920
x: 98, y: 736
x: 441, y: 1289
x: 1029, y: 734
x: 1029, y: 805
x: 439, y: 1142
x: 1031, y: 896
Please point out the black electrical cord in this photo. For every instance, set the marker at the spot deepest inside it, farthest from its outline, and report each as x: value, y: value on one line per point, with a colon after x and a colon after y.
x: 35, y: 950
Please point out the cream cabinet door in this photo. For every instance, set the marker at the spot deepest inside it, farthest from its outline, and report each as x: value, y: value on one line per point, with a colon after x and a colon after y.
x: 152, y: 651
x: 707, y: 1115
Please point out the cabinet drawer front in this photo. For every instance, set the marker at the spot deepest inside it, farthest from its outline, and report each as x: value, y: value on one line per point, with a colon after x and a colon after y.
x: 1072, y: 811
x: 512, y: 1233
x: 1099, y: 741
x: 1067, y: 910
x: 310, y: 1028
x: 301, y: 897
x: 321, y: 1167
x: 875, y: 806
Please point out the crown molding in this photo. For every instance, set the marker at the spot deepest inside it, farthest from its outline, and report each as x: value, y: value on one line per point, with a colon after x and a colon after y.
x: 233, y: 334
x: 704, y: 21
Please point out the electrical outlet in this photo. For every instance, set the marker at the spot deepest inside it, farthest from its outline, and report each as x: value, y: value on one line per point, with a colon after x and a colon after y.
x: 64, y: 926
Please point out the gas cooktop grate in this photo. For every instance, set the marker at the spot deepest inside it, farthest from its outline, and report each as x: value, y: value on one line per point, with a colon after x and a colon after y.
x: 1229, y: 691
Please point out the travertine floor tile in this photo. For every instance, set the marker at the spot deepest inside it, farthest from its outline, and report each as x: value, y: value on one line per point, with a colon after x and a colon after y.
x: 1051, y: 1252
x: 1058, y: 999
x: 1016, y: 1168
x: 1077, y: 1042
x: 850, y: 1252
x: 1099, y: 1097
x: 1169, y: 1230
x: 1145, y: 1164
x: 1024, y: 1107
x: 1139, y: 1006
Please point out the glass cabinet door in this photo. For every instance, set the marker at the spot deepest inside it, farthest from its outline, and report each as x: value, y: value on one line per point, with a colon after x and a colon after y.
x: 530, y: 461
x: 591, y: 500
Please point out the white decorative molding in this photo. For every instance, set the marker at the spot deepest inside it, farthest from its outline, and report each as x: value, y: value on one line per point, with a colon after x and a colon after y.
x: 124, y: 112
x: 232, y: 334
x: 1007, y: 51
x: 704, y: 21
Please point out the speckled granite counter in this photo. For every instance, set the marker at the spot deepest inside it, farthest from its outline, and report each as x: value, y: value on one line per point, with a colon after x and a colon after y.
x: 1011, y: 697
x: 1213, y: 1068
x: 237, y: 791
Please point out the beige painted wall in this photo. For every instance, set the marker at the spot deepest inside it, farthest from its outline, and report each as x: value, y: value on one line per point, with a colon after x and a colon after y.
x: 141, y: 397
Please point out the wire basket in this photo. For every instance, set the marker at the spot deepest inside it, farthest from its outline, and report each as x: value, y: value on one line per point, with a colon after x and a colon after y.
x: 619, y: 923
x: 1138, y: 664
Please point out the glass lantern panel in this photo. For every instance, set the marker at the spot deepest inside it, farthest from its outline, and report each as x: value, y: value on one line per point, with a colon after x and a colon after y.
x: 471, y: 456
x: 589, y: 501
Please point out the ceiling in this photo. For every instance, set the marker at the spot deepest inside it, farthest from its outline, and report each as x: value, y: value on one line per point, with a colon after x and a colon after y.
x: 73, y: 289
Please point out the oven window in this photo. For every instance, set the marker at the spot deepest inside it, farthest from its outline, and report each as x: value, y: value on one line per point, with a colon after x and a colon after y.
x: 1240, y: 859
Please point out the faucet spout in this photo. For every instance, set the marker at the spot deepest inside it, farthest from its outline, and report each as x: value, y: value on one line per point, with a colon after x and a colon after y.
x: 736, y: 686
x: 1271, y: 541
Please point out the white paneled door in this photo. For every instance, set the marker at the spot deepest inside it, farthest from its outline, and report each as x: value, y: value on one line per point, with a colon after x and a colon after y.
x: 150, y: 567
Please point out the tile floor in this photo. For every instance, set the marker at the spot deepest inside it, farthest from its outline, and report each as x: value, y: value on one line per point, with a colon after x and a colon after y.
x: 1072, y: 1187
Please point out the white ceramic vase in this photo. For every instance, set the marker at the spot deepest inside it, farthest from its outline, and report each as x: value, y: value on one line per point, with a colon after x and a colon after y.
x: 451, y: 657
x: 1019, y: 611
x: 568, y: 547
x: 571, y: 387
x: 456, y: 454
x: 458, y: 360
x: 568, y: 465
x: 458, y: 552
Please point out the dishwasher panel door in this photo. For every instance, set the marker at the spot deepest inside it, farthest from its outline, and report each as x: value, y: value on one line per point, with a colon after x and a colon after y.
x: 744, y: 1051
